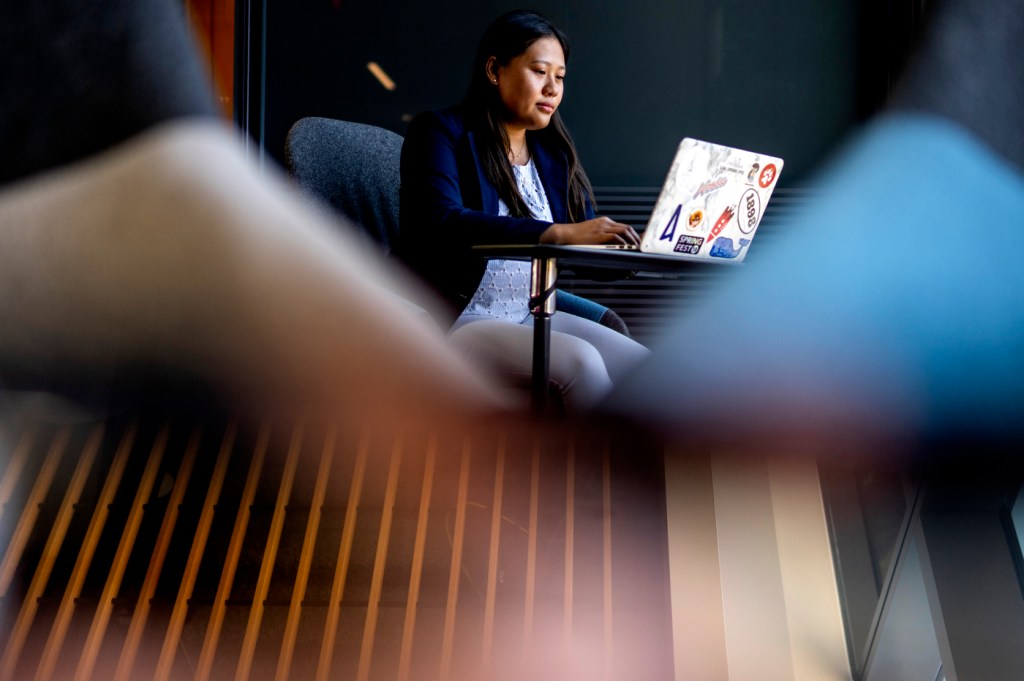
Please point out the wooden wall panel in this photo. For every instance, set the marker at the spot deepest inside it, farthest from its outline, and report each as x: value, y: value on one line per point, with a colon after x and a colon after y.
x: 213, y: 22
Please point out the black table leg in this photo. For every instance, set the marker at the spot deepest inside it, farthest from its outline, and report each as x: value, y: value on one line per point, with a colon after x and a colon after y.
x: 543, y: 273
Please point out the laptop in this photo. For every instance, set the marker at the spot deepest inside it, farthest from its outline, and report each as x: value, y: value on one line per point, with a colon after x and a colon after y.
x: 711, y: 203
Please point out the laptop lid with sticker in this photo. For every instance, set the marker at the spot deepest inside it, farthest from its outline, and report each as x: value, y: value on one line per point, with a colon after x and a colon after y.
x: 711, y: 203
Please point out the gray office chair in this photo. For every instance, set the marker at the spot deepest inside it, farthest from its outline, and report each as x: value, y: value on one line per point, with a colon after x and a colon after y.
x: 355, y: 168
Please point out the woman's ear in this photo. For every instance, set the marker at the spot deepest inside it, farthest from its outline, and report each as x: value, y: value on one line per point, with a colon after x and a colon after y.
x: 491, y: 68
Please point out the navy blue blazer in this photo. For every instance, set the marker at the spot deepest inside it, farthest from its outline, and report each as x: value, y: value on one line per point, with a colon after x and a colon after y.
x: 448, y: 205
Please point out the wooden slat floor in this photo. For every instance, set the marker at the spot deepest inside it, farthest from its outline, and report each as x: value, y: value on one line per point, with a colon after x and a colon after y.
x: 142, y: 548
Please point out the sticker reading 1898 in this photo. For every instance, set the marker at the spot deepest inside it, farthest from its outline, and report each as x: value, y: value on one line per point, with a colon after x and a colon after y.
x: 749, y: 211
x: 689, y: 244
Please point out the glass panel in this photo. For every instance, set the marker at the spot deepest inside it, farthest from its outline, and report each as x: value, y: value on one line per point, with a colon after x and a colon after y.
x: 869, y: 511
x: 1017, y: 531
x: 907, y: 648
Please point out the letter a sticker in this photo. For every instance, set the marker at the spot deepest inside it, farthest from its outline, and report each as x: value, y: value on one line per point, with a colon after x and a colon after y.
x: 669, y: 233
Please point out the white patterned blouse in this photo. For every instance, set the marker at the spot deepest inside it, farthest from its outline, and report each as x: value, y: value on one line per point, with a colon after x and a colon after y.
x: 504, y: 291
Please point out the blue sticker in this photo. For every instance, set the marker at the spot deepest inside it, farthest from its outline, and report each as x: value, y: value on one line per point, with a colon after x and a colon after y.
x: 723, y: 247
x: 669, y: 232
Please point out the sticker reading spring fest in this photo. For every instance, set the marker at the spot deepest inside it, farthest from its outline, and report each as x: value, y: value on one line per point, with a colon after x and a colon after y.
x: 689, y: 244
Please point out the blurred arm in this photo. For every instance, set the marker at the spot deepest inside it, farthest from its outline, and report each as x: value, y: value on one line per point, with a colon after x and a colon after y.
x: 171, y: 254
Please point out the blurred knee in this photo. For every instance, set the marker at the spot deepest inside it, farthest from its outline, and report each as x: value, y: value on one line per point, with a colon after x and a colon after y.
x: 579, y: 371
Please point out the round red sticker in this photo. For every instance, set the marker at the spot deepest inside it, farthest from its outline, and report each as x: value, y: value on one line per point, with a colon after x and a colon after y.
x: 767, y: 176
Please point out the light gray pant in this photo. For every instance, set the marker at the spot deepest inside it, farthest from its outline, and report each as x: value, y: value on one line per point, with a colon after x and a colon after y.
x: 586, y: 358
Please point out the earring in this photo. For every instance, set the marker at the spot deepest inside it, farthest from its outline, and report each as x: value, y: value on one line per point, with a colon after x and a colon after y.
x: 494, y: 80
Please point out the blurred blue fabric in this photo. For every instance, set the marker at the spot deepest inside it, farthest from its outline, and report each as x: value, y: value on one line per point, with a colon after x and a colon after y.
x: 895, y: 301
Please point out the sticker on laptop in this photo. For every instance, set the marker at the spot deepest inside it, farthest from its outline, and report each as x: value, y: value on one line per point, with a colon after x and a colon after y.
x: 724, y: 248
x: 689, y: 244
x: 768, y: 176
x: 749, y: 211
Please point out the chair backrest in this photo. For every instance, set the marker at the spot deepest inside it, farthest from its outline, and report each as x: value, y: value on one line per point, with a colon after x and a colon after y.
x: 352, y: 166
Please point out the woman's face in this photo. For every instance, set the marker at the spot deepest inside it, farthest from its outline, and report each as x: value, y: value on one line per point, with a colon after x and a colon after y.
x: 530, y: 86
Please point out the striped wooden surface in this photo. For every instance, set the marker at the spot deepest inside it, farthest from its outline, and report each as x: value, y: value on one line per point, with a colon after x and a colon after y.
x: 141, y: 548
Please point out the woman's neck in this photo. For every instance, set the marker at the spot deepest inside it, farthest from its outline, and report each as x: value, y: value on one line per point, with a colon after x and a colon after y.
x: 518, y: 153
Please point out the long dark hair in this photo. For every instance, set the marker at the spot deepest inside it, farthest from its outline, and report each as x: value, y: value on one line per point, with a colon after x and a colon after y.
x: 507, y: 37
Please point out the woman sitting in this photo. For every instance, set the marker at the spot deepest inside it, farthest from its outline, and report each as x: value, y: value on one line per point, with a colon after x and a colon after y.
x: 501, y: 168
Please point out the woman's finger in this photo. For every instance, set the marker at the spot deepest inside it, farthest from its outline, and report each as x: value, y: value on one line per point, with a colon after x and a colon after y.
x: 626, y: 233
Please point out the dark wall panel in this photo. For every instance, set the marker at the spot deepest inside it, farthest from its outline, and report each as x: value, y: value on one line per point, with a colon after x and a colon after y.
x: 777, y: 77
